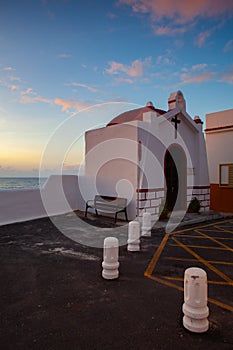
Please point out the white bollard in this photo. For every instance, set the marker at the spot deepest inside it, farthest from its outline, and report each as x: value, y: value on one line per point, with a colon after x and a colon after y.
x: 110, y: 262
x: 146, y: 224
x: 133, y: 236
x: 195, y: 307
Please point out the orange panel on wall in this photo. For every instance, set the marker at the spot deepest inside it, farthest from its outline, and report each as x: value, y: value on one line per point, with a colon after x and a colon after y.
x: 221, y: 199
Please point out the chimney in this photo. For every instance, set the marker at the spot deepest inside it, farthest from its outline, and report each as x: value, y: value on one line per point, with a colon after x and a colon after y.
x: 172, y: 101
x: 198, y: 121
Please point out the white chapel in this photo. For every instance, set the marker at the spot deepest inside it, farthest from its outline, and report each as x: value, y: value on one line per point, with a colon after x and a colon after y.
x: 151, y: 157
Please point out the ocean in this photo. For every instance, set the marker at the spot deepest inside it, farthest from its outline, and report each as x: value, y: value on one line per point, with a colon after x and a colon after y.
x: 21, y: 183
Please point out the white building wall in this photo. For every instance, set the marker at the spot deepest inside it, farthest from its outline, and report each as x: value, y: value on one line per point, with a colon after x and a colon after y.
x: 111, y: 158
x: 219, y: 119
x: 219, y: 142
x: 219, y: 152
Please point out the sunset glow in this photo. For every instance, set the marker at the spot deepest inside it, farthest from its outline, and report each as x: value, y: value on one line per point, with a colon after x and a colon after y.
x: 59, y: 58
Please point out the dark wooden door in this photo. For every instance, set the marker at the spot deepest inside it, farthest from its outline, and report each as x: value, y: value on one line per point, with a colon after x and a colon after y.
x: 172, y: 182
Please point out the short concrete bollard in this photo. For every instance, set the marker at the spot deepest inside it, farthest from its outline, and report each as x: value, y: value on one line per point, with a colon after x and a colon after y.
x: 110, y: 262
x: 146, y: 225
x: 133, y: 236
x: 195, y: 307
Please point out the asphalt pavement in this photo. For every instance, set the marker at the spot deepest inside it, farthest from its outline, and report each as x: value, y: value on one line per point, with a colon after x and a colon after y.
x: 53, y: 296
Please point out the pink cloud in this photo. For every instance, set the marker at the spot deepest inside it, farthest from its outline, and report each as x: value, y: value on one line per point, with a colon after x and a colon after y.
x: 32, y: 99
x: 27, y: 92
x: 13, y: 78
x: 163, y: 60
x: 67, y: 104
x: 88, y: 87
x: 115, y: 68
x: 13, y: 87
x: 229, y: 46
x: 228, y: 76
x: 43, y: 99
x: 202, y: 37
x: 171, y: 30
x: 175, y: 17
x: 136, y: 69
x: 181, y: 11
x: 187, y: 78
x: 8, y: 69
x: 199, y: 66
x: 29, y: 96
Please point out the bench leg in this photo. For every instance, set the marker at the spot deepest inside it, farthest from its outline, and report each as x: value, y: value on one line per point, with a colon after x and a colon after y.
x: 96, y: 212
x: 126, y: 216
x: 86, y: 210
x: 115, y: 217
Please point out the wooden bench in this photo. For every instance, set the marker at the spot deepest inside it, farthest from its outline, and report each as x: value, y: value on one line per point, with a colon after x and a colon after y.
x: 108, y: 204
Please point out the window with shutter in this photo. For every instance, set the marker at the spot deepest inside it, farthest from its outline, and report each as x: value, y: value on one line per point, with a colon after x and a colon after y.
x: 226, y: 175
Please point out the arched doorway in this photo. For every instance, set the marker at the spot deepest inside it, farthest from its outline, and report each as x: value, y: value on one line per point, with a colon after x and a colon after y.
x: 175, y: 169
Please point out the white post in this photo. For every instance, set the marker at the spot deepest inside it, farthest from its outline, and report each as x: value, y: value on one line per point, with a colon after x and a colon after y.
x: 195, y: 307
x: 146, y: 224
x: 133, y: 236
x: 110, y: 262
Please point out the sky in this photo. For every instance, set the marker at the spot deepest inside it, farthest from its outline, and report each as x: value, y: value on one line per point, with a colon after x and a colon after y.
x: 87, y: 61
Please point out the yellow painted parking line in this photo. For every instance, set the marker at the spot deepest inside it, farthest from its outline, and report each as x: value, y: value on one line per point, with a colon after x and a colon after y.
x: 194, y: 260
x: 224, y: 230
x: 203, y: 261
x: 220, y: 241
x: 180, y: 279
x: 156, y: 256
x: 203, y: 226
x: 222, y: 305
x: 215, y: 229
x: 198, y: 246
x: 215, y: 241
x: 169, y: 284
x: 173, y: 285
x: 200, y: 237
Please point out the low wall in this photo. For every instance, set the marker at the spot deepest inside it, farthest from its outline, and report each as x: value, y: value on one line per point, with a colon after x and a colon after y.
x: 22, y: 205
x: 59, y: 195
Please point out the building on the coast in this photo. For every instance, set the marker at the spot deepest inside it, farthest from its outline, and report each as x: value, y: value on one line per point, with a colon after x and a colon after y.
x: 150, y: 156
x: 219, y: 143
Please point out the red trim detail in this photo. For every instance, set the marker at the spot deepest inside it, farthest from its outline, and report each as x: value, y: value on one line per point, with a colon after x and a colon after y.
x: 134, y: 114
x: 219, y: 128
x: 198, y: 121
x: 198, y: 187
x: 145, y: 190
x: 201, y: 187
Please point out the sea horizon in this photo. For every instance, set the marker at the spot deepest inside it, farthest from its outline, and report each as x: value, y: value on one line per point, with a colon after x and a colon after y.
x: 21, y: 182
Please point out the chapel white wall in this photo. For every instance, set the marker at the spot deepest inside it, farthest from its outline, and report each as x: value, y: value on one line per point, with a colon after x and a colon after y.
x: 111, y: 157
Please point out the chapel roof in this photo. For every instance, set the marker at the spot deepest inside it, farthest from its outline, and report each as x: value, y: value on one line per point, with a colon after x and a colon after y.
x: 135, y: 114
